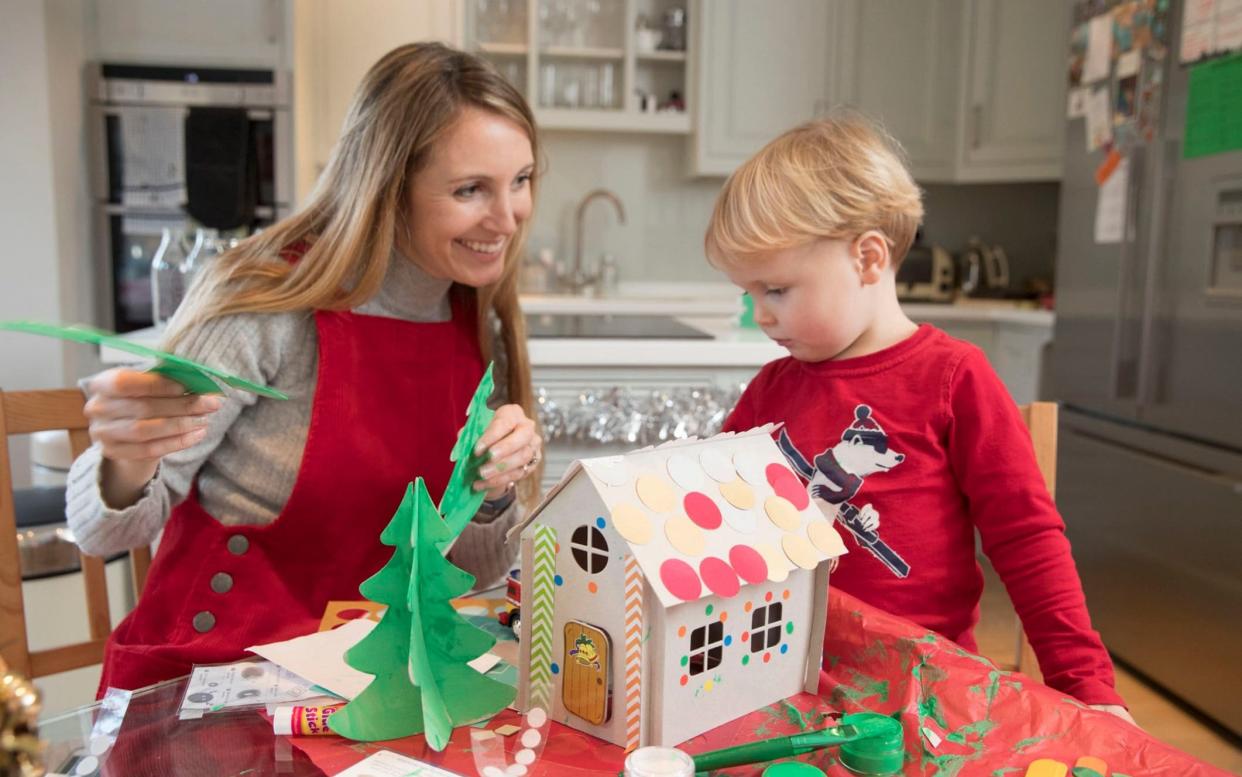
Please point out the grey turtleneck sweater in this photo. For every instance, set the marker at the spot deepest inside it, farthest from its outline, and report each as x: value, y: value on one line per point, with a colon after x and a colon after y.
x: 249, y: 460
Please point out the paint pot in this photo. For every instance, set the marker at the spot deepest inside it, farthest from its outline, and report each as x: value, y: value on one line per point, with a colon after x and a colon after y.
x: 793, y: 769
x: 659, y: 762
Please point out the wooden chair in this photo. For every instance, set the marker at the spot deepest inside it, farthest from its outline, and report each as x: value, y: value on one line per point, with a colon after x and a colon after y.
x: 25, y: 412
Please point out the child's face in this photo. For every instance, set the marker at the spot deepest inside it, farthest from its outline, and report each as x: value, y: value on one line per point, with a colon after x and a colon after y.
x: 811, y: 299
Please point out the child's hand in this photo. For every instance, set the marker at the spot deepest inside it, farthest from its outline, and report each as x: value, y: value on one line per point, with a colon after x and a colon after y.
x: 1117, y: 710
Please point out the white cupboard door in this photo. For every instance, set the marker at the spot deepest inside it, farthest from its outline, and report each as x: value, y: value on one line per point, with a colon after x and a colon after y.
x: 899, y: 62
x: 1014, y: 111
x: 763, y: 67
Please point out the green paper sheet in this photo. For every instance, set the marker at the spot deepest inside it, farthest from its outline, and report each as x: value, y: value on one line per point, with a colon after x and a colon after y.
x: 460, y: 501
x: 1213, y: 119
x: 197, y: 378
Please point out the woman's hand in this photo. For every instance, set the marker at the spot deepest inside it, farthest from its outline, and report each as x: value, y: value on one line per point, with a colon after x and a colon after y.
x: 137, y: 418
x: 513, y: 450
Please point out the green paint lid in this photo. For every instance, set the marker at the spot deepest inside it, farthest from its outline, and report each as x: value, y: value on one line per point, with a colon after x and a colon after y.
x: 880, y: 752
x: 793, y: 769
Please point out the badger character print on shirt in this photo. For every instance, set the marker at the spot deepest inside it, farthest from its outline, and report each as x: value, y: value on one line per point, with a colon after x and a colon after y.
x: 838, y: 474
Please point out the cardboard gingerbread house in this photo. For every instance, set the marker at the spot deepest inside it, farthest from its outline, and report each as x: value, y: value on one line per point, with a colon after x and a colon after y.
x: 672, y: 589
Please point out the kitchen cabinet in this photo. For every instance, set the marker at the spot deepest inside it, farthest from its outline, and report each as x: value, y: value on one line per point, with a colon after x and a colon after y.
x: 760, y: 68
x: 223, y: 33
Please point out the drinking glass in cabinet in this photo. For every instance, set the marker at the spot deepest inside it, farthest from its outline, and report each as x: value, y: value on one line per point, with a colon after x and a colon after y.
x: 500, y: 21
x: 581, y: 24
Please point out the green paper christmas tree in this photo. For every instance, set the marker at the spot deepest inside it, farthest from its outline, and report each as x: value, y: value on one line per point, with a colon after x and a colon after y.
x: 420, y: 649
x: 460, y: 501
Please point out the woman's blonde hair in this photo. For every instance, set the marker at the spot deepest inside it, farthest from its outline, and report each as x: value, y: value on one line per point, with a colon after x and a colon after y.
x: 835, y: 178
x: 406, y: 102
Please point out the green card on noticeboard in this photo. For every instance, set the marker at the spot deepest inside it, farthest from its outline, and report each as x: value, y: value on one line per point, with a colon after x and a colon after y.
x: 197, y: 378
x: 1213, y: 117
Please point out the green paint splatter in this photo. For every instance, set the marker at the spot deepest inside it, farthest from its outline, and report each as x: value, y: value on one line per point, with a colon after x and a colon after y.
x: 1085, y: 771
x: 981, y: 728
x: 1028, y: 742
x: 1006, y: 770
x: 794, y: 715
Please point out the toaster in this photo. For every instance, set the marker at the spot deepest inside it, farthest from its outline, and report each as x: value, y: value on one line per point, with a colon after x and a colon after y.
x: 926, y: 275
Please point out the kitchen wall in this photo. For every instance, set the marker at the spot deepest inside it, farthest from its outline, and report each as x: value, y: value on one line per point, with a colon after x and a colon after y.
x: 667, y: 211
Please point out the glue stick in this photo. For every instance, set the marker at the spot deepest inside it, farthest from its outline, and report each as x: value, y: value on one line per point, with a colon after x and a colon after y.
x: 303, y: 721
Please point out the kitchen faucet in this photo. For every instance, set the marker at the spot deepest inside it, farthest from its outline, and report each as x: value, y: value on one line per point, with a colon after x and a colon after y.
x: 577, y: 280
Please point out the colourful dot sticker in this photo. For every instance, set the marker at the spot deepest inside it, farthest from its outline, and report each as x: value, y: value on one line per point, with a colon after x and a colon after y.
x: 680, y: 579
x: 799, y: 551
x: 789, y: 627
x: 717, y: 465
x: 558, y: 580
x: 745, y: 636
x: 767, y: 597
x: 738, y: 494
x: 745, y: 660
x: 702, y: 510
x: 681, y: 632
x: 785, y: 483
x: 600, y: 522
x: 782, y: 513
x: 555, y: 668
x: 685, y: 471
x: 784, y: 649
x: 719, y: 577
x: 610, y: 472
x: 708, y: 610
x: 632, y: 523
x: 685, y: 536
x: 748, y: 607
x: 785, y: 594
x: 592, y: 586
x: 728, y: 640
x: 724, y: 615
x: 826, y: 538
x: 685, y: 660
x: 744, y: 521
x: 748, y: 563
x: 767, y: 657
x: 684, y: 679
x: 778, y: 564
x: 750, y: 465
x: 655, y: 492
x: 707, y: 686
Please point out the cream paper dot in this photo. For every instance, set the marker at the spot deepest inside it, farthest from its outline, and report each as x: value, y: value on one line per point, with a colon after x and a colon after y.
x: 656, y: 493
x: 739, y: 494
x: 633, y: 523
x: 685, y: 472
x: 525, y: 757
x: 516, y: 770
x: 537, y: 717
x: 782, y: 513
x: 717, y: 465
x: 87, y: 765
x: 744, y: 521
x: 685, y: 536
x: 611, y: 471
x: 800, y: 551
x: 778, y: 564
x: 750, y: 465
x: 826, y: 538
x: 531, y: 738
x: 493, y: 771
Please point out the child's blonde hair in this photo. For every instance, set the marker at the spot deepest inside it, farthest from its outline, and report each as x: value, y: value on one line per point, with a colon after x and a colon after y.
x: 835, y: 178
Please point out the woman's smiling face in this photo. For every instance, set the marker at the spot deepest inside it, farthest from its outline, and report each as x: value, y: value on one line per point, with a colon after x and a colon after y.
x: 469, y: 200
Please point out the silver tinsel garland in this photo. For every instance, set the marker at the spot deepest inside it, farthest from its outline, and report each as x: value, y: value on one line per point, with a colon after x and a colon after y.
x: 636, y: 417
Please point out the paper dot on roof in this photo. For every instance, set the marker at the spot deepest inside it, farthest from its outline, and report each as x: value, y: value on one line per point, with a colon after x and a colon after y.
x: 750, y: 466
x: 633, y: 523
x: 717, y: 465
x: 702, y: 510
x: 685, y: 471
x: 778, y: 565
x: 719, y: 577
x: 785, y: 483
x: 656, y: 493
x: 744, y: 521
x: 799, y: 550
x: 680, y: 579
x: 684, y: 536
x: 739, y: 494
x: 825, y: 537
x: 612, y: 473
x: 782, y: 512
x: 748, y: 563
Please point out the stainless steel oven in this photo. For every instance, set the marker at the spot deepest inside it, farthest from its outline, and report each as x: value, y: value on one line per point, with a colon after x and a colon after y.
x: 140, y: 128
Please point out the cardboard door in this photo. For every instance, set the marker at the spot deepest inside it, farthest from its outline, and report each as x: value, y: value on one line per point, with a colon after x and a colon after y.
x: 585, y: 688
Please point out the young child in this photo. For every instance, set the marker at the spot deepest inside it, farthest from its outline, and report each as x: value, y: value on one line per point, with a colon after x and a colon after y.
x: 905, y: 434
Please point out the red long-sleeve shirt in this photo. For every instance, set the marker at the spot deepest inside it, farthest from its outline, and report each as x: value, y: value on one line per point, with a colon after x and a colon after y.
x: 924, y: 436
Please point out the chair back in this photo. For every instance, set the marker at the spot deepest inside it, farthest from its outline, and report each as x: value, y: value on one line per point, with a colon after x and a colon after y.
x: 26, y: 412
x: 1041, y: 422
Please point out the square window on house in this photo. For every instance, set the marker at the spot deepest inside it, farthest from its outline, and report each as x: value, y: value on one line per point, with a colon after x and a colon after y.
x: 706, y: 648
x: 766, y: 626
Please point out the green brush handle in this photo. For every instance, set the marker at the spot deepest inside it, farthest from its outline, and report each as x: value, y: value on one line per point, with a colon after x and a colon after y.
x: 754, y: 752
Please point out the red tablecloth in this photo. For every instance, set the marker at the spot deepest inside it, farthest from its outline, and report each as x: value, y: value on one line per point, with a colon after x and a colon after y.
x: 990, y: 722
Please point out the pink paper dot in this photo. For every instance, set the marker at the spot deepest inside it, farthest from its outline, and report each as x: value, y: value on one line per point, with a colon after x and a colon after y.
x: 719, y: 577
x: 702, y: 510
x: 748, y: 563
x: 786, y: 484
x: 680, y: 580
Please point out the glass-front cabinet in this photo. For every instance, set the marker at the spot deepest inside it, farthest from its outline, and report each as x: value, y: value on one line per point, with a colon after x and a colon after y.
x: 591, y: 64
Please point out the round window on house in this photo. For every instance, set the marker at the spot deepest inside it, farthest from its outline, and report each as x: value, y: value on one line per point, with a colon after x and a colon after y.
x: 590, y: 549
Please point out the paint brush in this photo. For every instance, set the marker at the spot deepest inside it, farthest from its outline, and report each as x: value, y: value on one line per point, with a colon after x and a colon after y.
x: 871, y: 744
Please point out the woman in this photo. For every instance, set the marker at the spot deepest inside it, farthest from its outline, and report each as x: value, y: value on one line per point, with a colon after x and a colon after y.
x: 375, y: 308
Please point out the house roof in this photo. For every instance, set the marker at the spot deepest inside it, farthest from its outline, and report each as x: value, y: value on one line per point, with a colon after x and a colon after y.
x: 707, y: 516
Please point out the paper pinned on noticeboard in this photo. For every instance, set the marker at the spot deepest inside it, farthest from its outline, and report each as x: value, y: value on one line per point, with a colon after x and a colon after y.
x: 1110, y: 209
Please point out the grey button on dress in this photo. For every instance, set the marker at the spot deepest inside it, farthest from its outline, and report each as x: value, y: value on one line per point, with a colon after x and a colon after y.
x: 238, y: 544
x: 222, y: 582
x: 204, y: 622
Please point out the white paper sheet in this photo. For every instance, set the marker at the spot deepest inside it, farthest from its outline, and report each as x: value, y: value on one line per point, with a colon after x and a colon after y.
x: 386, y: 763
x: 1128, y: 63
x: 1099, y: 48
x: 1110, y: 209
x: 1099, y: 122
x: 1076, y: 103
x: 320, y: 658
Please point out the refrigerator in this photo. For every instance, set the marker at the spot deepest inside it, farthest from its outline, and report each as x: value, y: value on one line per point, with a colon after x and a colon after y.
x: 1147, y: 366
